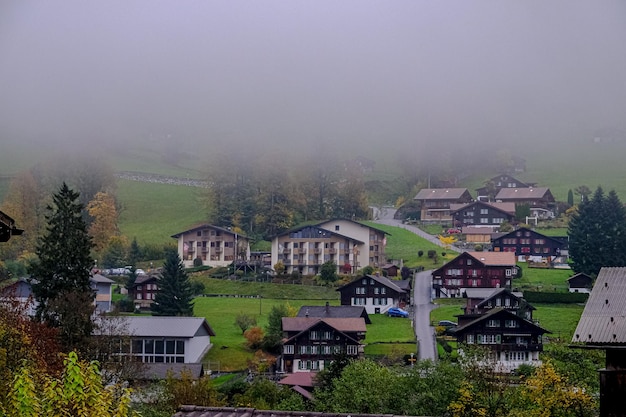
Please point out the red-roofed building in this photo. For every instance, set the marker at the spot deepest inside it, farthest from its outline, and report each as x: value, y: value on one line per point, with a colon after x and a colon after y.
x: 435, y: 202
x: 474, y: 270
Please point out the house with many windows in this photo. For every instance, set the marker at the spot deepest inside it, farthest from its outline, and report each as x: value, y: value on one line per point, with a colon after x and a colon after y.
x: 482, y: 300
x: 529, y: 243
x: 349, y: 244
x: 377, y: 294
x: 539, y: 199
x: 311, y: 343
x: 482, y: 214
x: 512, y: 340
x: 211, y: 245
x: 144, y: 290
x: 474, y: 270
x: 334, y: 312
x: 494, y: 185
x: 435, y: 203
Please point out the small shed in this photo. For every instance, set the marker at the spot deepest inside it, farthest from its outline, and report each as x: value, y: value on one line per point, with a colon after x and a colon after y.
x: 390, y: 269
x: 580, y: 283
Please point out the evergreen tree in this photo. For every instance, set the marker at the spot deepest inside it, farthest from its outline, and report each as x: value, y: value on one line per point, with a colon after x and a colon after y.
x: 597, y: 231
x: 570, y: 198
x: 61, y: 277
x: 174, y: 297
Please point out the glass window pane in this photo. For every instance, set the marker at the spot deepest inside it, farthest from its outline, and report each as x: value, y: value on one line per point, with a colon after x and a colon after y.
x: 180, y: 347
x: 149, y: 346
x: 159, y: 347
x: 170, y: 347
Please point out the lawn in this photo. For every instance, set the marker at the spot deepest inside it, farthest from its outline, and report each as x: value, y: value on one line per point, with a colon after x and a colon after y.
x: 154, y: 212
x: 542, y: 279
x: 266, y: 290
x: 405, y: 245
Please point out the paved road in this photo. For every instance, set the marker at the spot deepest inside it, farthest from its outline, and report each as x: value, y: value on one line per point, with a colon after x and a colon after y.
x: 422, y: 306
x: 422, y: 290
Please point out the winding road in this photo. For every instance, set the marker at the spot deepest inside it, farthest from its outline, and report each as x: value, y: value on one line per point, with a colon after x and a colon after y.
x: 422, y: 290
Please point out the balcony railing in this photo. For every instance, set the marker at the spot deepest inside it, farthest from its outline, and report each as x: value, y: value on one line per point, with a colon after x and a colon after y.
x: 287, y: 251
x: 317, y: 251
x: 332, y: 250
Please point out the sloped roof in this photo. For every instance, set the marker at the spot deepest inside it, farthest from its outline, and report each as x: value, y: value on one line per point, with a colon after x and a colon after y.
x: 298, y: 324
x: 494, y: 258
x: 394, y: 285
x: 477, y: 231
x: 303, y: 379
x: 203, y: 226
x: 101, y: 279
x: 161, y: 326
x: 504, y: 207
x: 603, y: 321
x: 295, y: 229
x: 156, y: 371
x: 498, y: 291
x: 581, y: 275
x: 440, y: 193
x: 522, y: 193
x: 352, y: 221
x: 334, y: 312
x: 200, y: 411
x: 498, y: 311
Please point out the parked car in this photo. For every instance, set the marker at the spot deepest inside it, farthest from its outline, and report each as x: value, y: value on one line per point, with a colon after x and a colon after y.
x: 140, y: 271
x: 447, y: 323
x: 397, y: 312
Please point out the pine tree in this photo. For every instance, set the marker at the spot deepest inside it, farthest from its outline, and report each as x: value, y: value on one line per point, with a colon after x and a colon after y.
x: 61, y: 277
x: 597, y: 233
x: 174, y: 297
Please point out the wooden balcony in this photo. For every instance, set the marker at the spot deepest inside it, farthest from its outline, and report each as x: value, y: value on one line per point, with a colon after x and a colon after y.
x: 302, y: 250
x: 286, y: 251
x: 332, y: 251
x: 317, y: 251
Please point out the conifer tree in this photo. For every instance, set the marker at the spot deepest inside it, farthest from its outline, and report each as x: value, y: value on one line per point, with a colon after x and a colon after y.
x: 597, y: 232
x: 61, y: 276
x: 174, y: 297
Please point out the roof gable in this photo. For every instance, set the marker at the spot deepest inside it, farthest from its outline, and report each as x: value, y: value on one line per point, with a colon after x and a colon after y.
x: 381, y: 280
x: 442, y: 194
x: 161, y: 326
x: 534, y: 234
x: 334, y: 312
x: 300, y: 324
x: 502, y: 314
x: 504, y: 208
x: 530, y: 193
x: 209, y: 226
x: 313, y: 231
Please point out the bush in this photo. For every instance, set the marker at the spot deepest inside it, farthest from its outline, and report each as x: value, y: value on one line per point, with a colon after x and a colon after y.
x: 420, y: 253
x: 432, y: 253
x: 478, y: 248
x: 197, y: 261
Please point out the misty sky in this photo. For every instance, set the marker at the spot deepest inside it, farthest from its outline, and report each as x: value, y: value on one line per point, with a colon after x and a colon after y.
x: 289, y: 71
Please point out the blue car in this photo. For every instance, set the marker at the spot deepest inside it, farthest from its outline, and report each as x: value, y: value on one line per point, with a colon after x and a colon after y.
x: 397, y: 312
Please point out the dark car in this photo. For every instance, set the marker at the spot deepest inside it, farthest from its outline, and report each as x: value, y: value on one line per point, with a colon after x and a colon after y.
x: 447, y: 323
x: 397, y: 312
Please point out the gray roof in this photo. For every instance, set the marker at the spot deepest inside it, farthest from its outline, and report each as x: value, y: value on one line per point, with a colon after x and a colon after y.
x: 522, y: 193
x: 334, y: 312
x: 440, y: 193
x: 159, y: 326
x: 101, y: 279
x: 603, y: 321
x: 151, y: 371
x: 199, y: 411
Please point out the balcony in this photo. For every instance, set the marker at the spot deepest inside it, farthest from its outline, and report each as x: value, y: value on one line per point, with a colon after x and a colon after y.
x: 317, y: 251
x: 526, y: 347
x: 218, y: 249
x: 302, y: 250
x: 286, y: 251
x: 332, y: 251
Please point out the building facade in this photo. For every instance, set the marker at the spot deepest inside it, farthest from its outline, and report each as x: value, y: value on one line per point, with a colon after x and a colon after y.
x: 211, y: 245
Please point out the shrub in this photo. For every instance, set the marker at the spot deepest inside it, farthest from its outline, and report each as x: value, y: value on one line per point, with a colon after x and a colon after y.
x: 478, y: 248
x: 432, y: 253
x: 420, y: 253
x: 197, y: 261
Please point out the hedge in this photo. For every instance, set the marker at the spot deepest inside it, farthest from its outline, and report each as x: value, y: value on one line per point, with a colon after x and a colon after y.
x: 555, y: 297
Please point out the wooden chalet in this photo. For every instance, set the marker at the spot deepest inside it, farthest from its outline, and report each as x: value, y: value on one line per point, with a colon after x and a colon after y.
x: 474, y: 270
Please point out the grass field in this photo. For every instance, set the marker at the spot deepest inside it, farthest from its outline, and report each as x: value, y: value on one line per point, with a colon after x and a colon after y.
x: 229, y: 353
x: 541, y: 279
x: 267, y: 290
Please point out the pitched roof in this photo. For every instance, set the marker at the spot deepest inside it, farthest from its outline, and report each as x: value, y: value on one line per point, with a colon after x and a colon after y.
x: 161, y: 326
x: 506, y: 207
x: 314, y: 226
x: 157, y: 371
x: 200, y: 411
x: 498, y: 291
x: 101, y: 279
x: 440, y: 193
x: 334, y: 312
x: 579, y: 276
x: 498, y: 311
x: 522, y: 193
x: 355, y: 222
x: 303, y: 379
x: 208, y: 226
x: 394, y: 285
x: 603, y: 321
x: 494, y: 258
x: 298, y: 324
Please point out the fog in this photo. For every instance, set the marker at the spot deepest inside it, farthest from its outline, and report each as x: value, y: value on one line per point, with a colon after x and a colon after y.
x: 359, y: 74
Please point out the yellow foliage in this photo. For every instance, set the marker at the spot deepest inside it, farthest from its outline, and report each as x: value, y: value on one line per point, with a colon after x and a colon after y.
x: 447, y: 240
x: 466, y: 405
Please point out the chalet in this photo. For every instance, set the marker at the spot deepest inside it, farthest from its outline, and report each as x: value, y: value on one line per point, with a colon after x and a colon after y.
x: 334, y: 312
x: 7, y: 228
x: 478, y: 235
x: 482, y: 214
x: 144, y: 290
x: 482, y: 300
x: 311, y: 343
x: 527, y: 243
x: 602, y: 325
x: 390, y: 270
x: 301, y: 382
x: 580, y: 283
x: 211, y: 245
x: 474, y: 270
x: 349, y: 244
x: 495, y: 184
x: 539, y: 199
x: 512, y: 340
x: 20, y: 291
x: 435, y: 203
x: 377, y: 294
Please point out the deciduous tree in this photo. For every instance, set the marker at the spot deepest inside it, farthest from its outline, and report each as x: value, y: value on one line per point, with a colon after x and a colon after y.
x: 104, y: 216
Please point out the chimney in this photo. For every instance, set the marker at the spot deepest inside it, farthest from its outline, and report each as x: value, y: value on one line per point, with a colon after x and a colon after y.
x: 306, y: 314
x: 327, y: 308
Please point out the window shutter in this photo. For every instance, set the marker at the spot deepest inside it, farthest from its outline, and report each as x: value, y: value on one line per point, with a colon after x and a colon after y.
x: 479, y: 339
x: 498, y: 338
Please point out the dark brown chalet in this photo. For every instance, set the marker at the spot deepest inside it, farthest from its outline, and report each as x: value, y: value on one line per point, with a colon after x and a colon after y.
x: 377, y: 294
x: 334, y: 312
x: 539, y: 199
x: 483, y: 300
x: 602, y: 325
x: 580, y: 283
x: 480, y: 213
x: 495, y: 184
x: 512, y: 340
x: 474, y: 270
x: 310, y: 343
x: 144, y: 290
x: 531, y: 243
x: 435, y: 202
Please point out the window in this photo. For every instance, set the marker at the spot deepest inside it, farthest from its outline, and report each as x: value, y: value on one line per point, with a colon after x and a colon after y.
x: 327, y: 335
x: 336, y: 228
x: 540, y: 241
x: 376, y: 290
x: 326, y: 350
x: 383, y: 290
x: 314, y: 335
x: 352, y: 349
x: 288, y: 349
x: 493, y: 323
x: 511, y: 323
x: 489, y: 339
x: 469, y: 339
x: 364, y: 281
x: 484, y: 220
x: 484, y: 211
x: 469, y: 261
